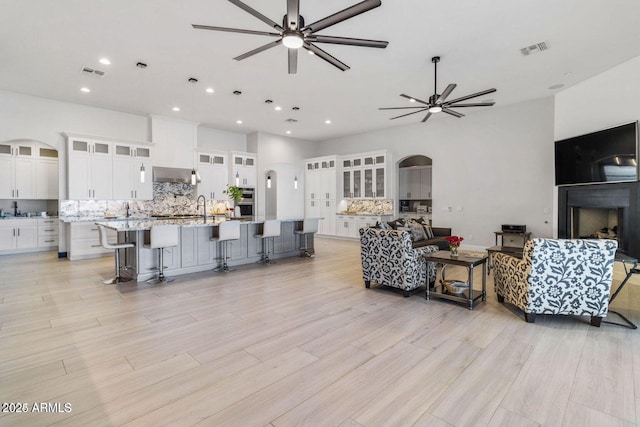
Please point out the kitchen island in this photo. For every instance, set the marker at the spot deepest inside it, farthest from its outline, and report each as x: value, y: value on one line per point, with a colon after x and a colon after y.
x: 195, y: 251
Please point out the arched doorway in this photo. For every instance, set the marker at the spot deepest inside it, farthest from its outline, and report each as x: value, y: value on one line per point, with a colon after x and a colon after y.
x: 414, y: 186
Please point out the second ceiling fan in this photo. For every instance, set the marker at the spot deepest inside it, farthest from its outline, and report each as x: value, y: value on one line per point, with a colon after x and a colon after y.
x: 294, y: 34
x: 438, y: 102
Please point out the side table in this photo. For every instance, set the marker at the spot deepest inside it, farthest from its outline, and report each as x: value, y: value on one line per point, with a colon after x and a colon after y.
x: 630, y: 267
x: 464, y: 260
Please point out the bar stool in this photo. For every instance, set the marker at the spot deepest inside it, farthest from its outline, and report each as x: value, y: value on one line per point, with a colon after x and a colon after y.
x: 162, y: 236
x: 227, y: 231
x: 309, y: 226
x: 270, y: 229
x: 117, y: 246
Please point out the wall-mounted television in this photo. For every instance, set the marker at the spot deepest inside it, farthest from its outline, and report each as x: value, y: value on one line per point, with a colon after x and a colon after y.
x: 608, y: 155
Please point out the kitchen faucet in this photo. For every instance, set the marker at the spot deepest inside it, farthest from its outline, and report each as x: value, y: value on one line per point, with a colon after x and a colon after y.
x: 204, y: 206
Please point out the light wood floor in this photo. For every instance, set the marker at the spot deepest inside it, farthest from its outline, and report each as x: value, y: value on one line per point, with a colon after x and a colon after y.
x: 301, y: 342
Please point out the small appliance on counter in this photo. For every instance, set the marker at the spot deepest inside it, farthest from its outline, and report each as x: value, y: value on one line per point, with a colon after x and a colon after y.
x: 404, y: 206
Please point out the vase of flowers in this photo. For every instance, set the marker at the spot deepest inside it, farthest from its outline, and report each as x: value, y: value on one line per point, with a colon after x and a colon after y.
x: 235, y: 194
x: 454, y: 244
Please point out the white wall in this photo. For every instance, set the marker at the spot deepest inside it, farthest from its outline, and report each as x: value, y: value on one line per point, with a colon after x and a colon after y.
x: 606, y: 100
x: 220, y: 140
x: 491, y: 167
x: 285, y: 156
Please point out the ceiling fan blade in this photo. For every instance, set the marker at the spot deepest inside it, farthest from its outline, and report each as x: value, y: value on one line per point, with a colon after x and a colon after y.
x: 293, y: 61
x: 257, y: 14
x: 324, y: 55
x: 400, y: 108
x: 446, y: 93
x: 426, y: 117
x: 348, y: 41
x: 408, y: 114
x: 293, y: 14
x: 474, y: 104
x: 343, y: 15
x: 464, y: 98
x: 415, y: 99
x: 234, y: 30
x: 453, y: 113
x: 258, y: 50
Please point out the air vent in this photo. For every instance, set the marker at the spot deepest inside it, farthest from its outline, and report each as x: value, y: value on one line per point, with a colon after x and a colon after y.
x: 535, y: 48
x: 92, y: 71
x: 291, y: 121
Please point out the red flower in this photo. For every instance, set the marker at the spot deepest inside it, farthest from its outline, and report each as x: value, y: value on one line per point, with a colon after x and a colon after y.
x: 454, y: 240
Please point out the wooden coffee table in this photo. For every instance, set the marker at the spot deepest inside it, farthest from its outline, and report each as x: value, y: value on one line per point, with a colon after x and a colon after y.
x: 465, y: 260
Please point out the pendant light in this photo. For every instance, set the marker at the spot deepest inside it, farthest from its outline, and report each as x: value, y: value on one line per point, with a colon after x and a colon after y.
x: 237, y: 179
x: 295, y: 182
x: 142, y: 173
x: 193, y: 177
x: 268, y: 181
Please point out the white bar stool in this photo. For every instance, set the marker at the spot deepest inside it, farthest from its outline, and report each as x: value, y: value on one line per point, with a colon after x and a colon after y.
x: 162, y: 236
x: 309, y: 226
x: 117, y: 246
x: 270, y: 229
x: 227, y: 231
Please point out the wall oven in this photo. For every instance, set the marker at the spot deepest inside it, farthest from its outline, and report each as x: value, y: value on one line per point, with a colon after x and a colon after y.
x: 247, y: 202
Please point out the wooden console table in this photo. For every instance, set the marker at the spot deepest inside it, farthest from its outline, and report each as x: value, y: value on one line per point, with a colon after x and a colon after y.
x: 464, y: 260
x: 501, y: 234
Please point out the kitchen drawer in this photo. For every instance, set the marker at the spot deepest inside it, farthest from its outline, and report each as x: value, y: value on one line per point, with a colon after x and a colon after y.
x: 87, y: 246
x: 48, y: 221
x: 84, y: 230
x: 48, y: 230
x: 45, y: 241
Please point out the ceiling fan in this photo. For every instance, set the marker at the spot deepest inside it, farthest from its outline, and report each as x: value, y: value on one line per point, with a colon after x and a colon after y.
x: 438, y: 103
x: 294, y: 34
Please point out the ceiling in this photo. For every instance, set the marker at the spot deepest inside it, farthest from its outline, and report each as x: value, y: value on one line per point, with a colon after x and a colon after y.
x: 44, y: 45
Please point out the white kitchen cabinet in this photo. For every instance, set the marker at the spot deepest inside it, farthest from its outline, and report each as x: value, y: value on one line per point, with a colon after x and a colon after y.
x: 350, y: 225
x: 214, y: 175
x: 320, y: 192
x: 127, y: 161
x: 365, y: 176
x: 352, y: 183
x: 90, y: 169
x: 18, y: 234
x: 17, y: 171
x: 47, y: 175
x: 244, y: 170
x: 84, y: 241
x: 415, y: 183
x: 47, y: 232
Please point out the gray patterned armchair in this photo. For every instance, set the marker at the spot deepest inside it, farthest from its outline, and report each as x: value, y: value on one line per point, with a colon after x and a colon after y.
x: 388, y: 259
x: 558, y: 277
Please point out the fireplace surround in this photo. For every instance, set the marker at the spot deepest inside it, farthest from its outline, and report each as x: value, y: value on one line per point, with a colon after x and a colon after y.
x: 619, y: 196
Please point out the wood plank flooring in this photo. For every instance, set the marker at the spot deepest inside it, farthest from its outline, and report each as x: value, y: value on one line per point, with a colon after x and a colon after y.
x: 300, y: 342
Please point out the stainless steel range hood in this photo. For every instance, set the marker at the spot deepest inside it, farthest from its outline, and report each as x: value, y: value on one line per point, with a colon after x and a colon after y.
x: 162, y: 174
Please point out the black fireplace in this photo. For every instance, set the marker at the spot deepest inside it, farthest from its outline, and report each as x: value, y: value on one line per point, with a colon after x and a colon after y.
x: 617, y: 202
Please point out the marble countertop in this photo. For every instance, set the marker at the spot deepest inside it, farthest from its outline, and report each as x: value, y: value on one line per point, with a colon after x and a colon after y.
x: 364, y: 214
x: 141, y: 224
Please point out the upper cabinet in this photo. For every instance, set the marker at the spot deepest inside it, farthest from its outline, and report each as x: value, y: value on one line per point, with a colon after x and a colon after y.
x: 365, y: 176
x: 90, y: 169
x: 320, y: 192
x: 244, y: 170
x: 28, y: 171
x: 214, y: 174
x: 128, y: 163
x: 415, y: 183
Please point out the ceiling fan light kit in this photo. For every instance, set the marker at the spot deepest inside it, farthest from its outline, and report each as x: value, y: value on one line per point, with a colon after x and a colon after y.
x: 294, y: 34
x: 438, y: 102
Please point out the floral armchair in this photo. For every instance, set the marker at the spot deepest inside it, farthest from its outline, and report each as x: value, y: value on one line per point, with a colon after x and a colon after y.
x: 389, y: 259
x: 558, y: 277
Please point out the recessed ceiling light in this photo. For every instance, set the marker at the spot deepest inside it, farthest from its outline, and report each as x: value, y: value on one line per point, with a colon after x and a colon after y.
x: 278, y: 108
x: 176, y: 108
x: 295, y: 108
x: 239, y: 122
x: 288, y: 132
x: 192, y: 80
x: 209, y: 90
x: 105, y: 61
x: 328, y: 122
x: 85, y: 89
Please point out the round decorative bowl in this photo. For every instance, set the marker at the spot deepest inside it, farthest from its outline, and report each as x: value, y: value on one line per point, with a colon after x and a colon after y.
x: 454, y: 287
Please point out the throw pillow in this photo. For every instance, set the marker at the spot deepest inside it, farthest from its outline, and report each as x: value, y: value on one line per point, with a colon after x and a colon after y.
x: 383, y: 226
x: 417, y: 231
x: 428, y: 231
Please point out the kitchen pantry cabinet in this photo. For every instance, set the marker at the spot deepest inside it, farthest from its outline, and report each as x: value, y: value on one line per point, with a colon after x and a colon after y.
x: 214, y: 175
x: 320, y: 192
x: 127, y: 162
x: 90, y: 169
x: 245, y: 171
x: 17, y: 171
